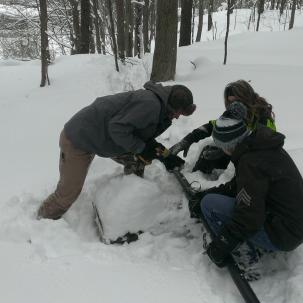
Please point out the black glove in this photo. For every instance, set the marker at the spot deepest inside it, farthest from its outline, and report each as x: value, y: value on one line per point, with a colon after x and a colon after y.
x: 211, y: 157
x: 220, y: 248
x: 182, y: 145
x: 172, y: 161
x: 151, y: 151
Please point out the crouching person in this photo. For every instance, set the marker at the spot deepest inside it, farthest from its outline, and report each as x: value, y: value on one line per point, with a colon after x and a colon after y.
x: 122, y: 127
x: 263, y: 204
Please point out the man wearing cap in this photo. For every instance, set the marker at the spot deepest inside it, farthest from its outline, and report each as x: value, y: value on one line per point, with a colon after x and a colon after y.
x: 122, y: 127
x: 263, y: 204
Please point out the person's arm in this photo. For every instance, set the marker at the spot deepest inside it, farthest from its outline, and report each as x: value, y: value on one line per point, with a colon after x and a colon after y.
x: 196, y: 135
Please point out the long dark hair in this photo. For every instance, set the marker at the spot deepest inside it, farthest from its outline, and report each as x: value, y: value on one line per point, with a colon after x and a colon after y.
x: 258, y: 107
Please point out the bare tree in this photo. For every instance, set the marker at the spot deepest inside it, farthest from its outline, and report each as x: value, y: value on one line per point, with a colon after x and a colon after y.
x: 293, y: 13
x: 227, y: 30
x: 128, y: 31
x: 138, y: 49
x: 200, y: 24
x: 185, y: 26
x: 165, y: 55
x: 44, y: 42
x: 85, y: 31
x: 120, y: 29
x: 75, y: 36
x: 145, y: 27
x: 260, y: 12
x: 95, y: 17
x: 210, y: 12
x: 152, y: 20
x: 112, y: 32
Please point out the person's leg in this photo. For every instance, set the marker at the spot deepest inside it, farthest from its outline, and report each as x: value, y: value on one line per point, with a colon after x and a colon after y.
x: 261, y: 239
x: 217, y: 210
x: 73, y: 167
x: 131, y: 165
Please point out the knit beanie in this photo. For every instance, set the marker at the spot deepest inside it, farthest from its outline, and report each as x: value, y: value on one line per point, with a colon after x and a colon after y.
x: 230, y: 129
x: 181, y: 98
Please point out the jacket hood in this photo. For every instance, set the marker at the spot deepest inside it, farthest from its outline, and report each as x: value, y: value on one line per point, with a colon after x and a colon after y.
x: 162, y: 92
x: 263, y: 138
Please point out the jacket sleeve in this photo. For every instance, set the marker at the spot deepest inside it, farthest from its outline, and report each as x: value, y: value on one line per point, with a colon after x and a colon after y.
x: 249, y: 214
x: 134, y: 116
x: 200, y: 133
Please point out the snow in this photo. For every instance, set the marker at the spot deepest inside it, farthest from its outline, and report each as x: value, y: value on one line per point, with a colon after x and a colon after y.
x: 63, y: 260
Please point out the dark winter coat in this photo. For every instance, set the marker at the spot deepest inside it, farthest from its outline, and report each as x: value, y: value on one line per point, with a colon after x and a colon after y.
x: 269, y: 191
x: 120, y: 123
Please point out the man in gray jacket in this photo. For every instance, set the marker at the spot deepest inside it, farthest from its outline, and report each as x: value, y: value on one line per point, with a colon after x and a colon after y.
x: 122, y: 127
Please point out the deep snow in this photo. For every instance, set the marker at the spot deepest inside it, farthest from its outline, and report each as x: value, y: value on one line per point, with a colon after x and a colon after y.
x: 63, y: 261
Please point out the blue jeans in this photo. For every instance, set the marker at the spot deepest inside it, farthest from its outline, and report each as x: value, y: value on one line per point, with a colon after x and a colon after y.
x: 218, y: 210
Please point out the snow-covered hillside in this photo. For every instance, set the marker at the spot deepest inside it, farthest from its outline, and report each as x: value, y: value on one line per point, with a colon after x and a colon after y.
x: 63, y: 261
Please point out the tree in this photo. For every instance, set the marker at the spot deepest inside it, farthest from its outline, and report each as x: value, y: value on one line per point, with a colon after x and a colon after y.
x: 95, y: 9
x: 44, y: 42
x: 165, y: 54
x: 185, y: 26
x: 227, y: 29
x: 112, y: 32
x: 138, y: 49
x: 128, y: 28
x: 260, y: 12
x: 293, y: 13
x: 85, y: 32
x: 120, y: 29
x: 145, y: 27
x: 210, y: 11
x: 200, y: 24
x: 75, y: 35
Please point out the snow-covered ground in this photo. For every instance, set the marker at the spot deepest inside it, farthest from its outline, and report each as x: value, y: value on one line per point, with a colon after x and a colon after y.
x: 63, y: 261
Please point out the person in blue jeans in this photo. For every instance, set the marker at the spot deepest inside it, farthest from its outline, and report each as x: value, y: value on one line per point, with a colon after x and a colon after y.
x: 263, y: 203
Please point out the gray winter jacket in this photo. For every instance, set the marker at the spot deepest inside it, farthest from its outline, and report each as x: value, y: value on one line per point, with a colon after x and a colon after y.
x: 121, y: 123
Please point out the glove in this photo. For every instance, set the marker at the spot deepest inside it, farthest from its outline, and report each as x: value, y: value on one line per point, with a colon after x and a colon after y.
x: 182, y: 145
x: 217, y: 254
x: 211, y: 157
x: 220, y: 248
x: 172, y: 161
x: 152, y: 151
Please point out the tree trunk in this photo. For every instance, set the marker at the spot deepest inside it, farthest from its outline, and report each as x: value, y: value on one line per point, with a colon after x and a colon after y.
x: 120, y: 29
x: 92, y: 45
x: 102, y: 23
x: 85, y: 21
x: 145, y: 26
x: 152, y: 21
x: 260, y: 12
x: 128, y: 28
x: 138, y: 50
x: 97, y: 25
x: 227, y: 30
x: 282, y: 6
x: 293, y: 13
x: 200, y: 24
x: 76, y: 26
x: 185, y: 26
x: 272, y: 5
x: 210, y: 11
x: 193, y: 25
x: 44, y: 42
x: 112, y: 32
x: 165, y: 55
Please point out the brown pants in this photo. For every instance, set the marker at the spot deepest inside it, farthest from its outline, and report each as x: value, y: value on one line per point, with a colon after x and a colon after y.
x: 73, y: 168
